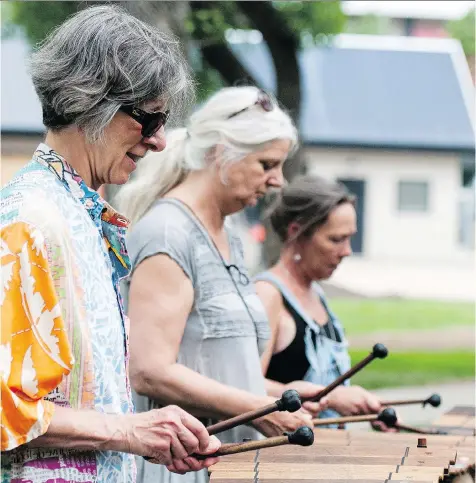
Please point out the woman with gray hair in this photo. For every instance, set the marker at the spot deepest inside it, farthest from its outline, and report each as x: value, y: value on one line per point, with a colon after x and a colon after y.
x: 106, y: 82
x: 315, y: 220
x: 199, y: 328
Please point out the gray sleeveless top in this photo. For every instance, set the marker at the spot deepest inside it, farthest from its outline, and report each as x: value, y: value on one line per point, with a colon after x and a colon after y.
x: 226, y: 331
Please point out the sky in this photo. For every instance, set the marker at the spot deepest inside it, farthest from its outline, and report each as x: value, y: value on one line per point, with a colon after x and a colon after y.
x: 435, y: 9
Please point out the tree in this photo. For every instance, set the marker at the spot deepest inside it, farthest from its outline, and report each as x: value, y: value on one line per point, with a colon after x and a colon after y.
x: 39, y: 18
x: 285, y: 27
x: 464, y: 30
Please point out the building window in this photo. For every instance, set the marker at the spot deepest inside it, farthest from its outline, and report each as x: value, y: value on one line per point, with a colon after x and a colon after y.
x: 413, y: 196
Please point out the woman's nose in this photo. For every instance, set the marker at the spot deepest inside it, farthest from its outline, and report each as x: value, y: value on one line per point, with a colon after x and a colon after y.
x: 157, y: 141
x: 276, y: 179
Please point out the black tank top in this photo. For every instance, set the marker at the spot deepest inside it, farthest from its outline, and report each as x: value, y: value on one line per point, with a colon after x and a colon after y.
x: 291, y: 364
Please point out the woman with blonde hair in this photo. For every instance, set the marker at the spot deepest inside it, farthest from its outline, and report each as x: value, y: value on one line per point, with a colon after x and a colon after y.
x: 199, y: 328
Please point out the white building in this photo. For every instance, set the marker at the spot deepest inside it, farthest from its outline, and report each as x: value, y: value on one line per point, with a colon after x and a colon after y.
x: 392, y: 118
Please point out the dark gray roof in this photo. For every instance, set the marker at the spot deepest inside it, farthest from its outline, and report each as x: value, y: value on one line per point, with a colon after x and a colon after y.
x: 384, y: 98
x: 351, y: 96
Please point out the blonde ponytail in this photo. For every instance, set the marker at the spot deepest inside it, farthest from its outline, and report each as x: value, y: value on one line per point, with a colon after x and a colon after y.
x: 156, y: 174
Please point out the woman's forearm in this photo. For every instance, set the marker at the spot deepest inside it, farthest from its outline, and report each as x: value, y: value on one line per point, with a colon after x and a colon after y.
x: 85, y: 430
x: 198, y: 394
x: 274, y: 388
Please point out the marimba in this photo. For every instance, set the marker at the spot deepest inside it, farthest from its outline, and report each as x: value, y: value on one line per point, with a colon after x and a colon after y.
x: 360, y: 457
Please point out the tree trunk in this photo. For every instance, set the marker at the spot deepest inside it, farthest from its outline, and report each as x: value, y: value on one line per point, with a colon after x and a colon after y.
x: 219, y: 56
x: 283, y: 45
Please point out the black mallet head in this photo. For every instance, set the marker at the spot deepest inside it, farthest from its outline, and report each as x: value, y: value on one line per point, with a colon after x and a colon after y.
x: 303, y: 436
x: 380, y: 351
x: 388, y: 417
x: 434, y: 400
x: 290, y: 401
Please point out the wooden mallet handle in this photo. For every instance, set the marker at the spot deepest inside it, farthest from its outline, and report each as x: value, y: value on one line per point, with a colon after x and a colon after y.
x: 290, y: 401
x: 434, y: 400
x: 379, y: 351
x: 412, y: 429
x: 387, y: 416
x: 303, y: 436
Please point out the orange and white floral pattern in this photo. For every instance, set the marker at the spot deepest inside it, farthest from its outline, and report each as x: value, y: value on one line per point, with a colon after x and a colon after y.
x: 34, y: 350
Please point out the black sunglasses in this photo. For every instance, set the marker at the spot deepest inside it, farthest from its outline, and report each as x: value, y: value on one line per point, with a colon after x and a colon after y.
x: 151, y: 122
x: 263, y: 100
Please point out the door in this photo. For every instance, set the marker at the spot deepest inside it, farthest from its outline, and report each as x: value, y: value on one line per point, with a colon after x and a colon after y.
x: 357, y: 187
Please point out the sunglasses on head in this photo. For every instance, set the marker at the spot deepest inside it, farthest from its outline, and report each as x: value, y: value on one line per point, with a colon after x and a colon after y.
x: 263, y: 100
x: 151, y: 122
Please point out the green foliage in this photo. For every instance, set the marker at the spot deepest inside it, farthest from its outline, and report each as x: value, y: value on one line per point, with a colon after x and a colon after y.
x: 309, y: 20
x: 367, y: 316
x: 207, y: 81
x: 313, y: 21
x: 463, y: 30
x: 368, y: 25
x: 210, y: 24
x: 414, y: 368
x: 38, y: 18
x: 7, y: 26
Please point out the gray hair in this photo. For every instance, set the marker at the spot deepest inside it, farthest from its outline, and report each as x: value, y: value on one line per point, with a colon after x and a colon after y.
x: 191, y: 148
x: 103, y: 57
x: 308, y: 201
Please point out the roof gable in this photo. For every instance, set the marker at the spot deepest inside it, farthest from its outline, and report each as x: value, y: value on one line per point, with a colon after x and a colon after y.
x: 363, y: 91
x: 386, y: 97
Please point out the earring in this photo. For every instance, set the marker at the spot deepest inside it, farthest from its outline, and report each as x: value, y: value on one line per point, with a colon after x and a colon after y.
x: 297, y: 257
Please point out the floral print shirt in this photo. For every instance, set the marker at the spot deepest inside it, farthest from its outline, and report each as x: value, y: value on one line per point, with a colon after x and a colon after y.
x: 64, y: 334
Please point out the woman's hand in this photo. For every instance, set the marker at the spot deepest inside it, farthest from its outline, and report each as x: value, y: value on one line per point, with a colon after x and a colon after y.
x: 309, y: 390
x: 381, y: 426
x: 192, y: 464
x: 169, y: 436
x: 276, y: 423
x: 353, y: 400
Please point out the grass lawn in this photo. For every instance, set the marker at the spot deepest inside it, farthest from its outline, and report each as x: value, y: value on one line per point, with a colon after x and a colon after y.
x: 365, y: 316
x: 414, y: 368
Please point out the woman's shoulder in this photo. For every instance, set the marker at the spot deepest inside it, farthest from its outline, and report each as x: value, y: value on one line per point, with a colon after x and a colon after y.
x: 268, y: 287
x: 163, y: 229
x: 168, y: 211
x: 164, y: 219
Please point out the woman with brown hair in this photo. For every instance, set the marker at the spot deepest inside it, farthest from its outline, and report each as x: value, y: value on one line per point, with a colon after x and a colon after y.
x: 315, y: 219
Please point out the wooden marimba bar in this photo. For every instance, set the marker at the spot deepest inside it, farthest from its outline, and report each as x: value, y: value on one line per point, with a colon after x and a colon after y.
x: 459, y: 420
x: 339, y: 456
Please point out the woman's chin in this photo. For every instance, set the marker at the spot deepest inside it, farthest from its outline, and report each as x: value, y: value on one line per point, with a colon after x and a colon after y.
x: 120, y: 178
x: 330, y: 271
x: 252, y: 202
